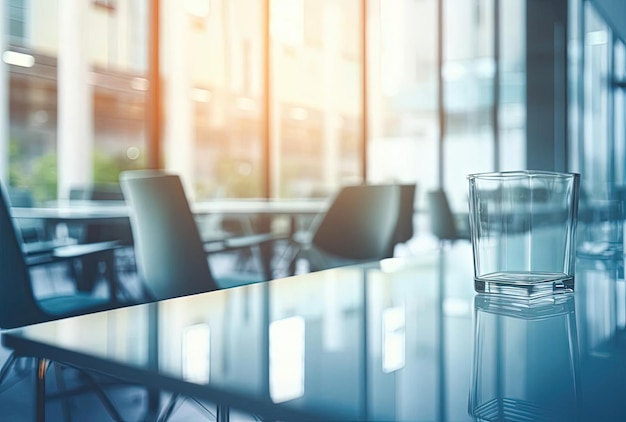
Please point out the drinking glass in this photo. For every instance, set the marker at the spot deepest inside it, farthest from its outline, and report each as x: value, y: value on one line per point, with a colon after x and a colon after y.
x: 523, y: 231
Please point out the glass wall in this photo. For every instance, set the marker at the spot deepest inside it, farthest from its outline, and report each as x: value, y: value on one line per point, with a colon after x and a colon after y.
x: 468, y: 86
x: 212, y: 70
x: 316, y: 91
x: 263, y: 97
x: 595, y: 142
x: 511, y: 33
x: 597, y: 134
x: 75, y: 75
x: 402, y: 92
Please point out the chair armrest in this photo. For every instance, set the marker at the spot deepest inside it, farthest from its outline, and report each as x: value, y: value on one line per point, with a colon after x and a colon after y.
x: 63, y: 253
x: 240, y: 242
x: 84, y: 249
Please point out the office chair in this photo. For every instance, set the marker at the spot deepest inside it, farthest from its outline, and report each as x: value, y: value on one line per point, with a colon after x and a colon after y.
x: 171, y: 256
x: 358, y: 227
x: 404, y: 227
x: 18, y: 305
x: 31, y: 230
x: 444, y: 225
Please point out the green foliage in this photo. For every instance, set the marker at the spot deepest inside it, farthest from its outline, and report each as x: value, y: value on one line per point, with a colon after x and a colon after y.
x: 42, y: 179
x: 106, y: 168
x: 16, y: 175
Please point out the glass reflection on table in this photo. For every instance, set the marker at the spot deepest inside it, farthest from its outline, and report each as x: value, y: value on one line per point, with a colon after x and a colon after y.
x: 525, y: 359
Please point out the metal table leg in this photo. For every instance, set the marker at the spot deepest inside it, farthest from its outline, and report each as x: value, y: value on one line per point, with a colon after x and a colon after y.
x: 40, y: 389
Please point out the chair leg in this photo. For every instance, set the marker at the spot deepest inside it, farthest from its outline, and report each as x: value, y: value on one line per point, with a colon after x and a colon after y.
x: 202, y: 406
x: 7, y: 367
x: 169, y: 408
x: 104, y: 399
x: 291, y: 261
x: 65, y: 404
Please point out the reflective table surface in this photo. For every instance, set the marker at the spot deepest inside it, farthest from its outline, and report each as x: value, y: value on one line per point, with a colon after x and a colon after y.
x: 405, y: 340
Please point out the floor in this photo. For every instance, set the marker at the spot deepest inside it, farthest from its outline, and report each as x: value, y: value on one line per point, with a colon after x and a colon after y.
x: 17, y: 390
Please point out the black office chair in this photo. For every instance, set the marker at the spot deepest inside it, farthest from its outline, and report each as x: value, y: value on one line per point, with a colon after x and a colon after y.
x: 31, y: 230
x: 358, y: 227
x: 443, y: 223
x: 171, y: 256
x: 404, y: 227
x: 18, y: 305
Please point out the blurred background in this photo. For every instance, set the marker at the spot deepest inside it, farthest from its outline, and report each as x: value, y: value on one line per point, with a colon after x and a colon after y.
x: 294, y: 98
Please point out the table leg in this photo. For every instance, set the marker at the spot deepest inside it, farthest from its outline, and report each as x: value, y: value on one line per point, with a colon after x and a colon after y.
x: 40, y: 389
x: 266, y: 250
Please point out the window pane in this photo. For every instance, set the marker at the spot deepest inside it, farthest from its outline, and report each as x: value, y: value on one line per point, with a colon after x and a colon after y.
x: 213, y: 96
x: 595, y: 156
x: 468, y: 71
x: 402, y: 92
x: 76, y: 94
x: 317, y: 95
x: 512, y: 113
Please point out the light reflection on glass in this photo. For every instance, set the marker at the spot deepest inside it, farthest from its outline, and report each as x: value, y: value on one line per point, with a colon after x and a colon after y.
x: 18, y: 59
x: 286, y: 359
x: 620, y: 295
x: 196, y: 353
x: 394, y: 339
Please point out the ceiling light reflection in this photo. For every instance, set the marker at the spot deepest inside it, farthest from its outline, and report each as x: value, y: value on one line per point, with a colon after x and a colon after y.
x: 286, y: 359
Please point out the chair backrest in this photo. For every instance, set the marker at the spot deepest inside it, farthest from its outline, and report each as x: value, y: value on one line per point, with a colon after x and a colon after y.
x: 21, y: 197
x: 169, y: 251
x: 17, y: 302
x: 99, y: 192
x: 360, y: 222
x: 442, y: 221
x: 101, y: 232
x: 404, y: 227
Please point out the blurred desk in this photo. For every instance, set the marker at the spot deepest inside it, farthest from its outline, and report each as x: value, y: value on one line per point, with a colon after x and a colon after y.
x: 99, y: 210
x: 404, y: 340
x: 254, y: 216
x: 262, y: 207
x: 105, y: 211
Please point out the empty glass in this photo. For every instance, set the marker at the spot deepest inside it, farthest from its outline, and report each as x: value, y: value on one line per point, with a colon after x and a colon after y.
x: 523, y: 231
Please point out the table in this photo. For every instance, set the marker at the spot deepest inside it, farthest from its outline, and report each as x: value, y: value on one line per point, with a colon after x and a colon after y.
x: 406, y: 339
x: 94, y: 211
x: 113, y: 212
x: 108, y: 214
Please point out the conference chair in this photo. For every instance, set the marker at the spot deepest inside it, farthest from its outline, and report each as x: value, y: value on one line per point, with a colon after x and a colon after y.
x: 404, y: 227
x: 359, y: 226
x: 18, y: 304
x: 171, y: 257
x: 443, y: 223
x: 31, y: 230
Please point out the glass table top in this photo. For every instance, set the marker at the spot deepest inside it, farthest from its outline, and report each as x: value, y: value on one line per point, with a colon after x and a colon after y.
x: 405, y: 340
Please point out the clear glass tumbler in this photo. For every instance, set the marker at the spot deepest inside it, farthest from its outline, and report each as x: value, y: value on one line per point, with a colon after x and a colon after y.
x: 523, y: 231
